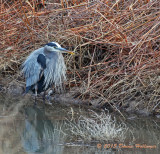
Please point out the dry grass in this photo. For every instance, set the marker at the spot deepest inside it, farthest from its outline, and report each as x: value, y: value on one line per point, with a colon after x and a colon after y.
x: 117, y: 45
x: 97, y: 127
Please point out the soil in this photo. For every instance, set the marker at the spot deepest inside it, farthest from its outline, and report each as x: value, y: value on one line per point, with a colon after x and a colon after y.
x: 17, y: 88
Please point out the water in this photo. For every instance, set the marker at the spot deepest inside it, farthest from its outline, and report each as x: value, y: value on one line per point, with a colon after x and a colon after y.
x: 28, y: 129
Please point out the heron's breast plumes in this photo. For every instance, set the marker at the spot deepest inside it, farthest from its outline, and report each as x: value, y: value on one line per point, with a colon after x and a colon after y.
x: 55, y: 72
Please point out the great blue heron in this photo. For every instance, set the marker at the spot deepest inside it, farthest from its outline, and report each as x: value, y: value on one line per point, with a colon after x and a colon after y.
x: 45, y: 67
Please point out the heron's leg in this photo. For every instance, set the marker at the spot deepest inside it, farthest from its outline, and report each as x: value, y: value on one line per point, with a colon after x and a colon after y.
x: 36, y: 88
x: 44, y: 95
x: 49, y: 97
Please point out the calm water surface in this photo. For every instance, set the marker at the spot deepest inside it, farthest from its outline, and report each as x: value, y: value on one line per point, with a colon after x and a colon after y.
x: 28, y: 129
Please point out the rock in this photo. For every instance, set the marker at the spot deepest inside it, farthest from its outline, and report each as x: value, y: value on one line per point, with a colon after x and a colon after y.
x: 1, y: 87
x: 131, y: 106
x: 15, y: 88
x: 144, y: 112
x: 158, y: 116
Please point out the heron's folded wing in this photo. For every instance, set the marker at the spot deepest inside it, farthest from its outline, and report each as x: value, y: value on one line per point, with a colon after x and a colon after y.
x: 41, y: 59
x: 31, y: 70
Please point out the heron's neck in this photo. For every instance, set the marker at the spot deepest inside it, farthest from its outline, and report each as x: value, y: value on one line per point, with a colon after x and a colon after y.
x: 49, y: 54
x: 46, y: 52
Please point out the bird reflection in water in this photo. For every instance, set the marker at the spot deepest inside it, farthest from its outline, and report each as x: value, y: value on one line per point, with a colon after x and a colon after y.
x: 39, y: 135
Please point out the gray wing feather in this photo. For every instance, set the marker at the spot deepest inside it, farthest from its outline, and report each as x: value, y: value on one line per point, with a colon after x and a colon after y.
x: 31, y: 68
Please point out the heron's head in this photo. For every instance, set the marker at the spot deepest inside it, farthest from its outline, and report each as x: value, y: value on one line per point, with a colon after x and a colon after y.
x: 55, y: 47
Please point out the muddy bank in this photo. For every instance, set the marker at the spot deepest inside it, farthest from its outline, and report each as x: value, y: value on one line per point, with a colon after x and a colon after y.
x: 69, y: 97
x: 17, y: 88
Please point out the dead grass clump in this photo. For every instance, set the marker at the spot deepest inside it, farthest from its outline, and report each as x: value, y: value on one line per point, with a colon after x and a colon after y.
x: 98, y: 127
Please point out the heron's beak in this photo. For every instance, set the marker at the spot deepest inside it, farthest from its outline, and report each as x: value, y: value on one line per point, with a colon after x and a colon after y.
x: 66, y: 51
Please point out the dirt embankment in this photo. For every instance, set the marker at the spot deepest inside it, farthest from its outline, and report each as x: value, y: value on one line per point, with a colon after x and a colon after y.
x: 134, y: 105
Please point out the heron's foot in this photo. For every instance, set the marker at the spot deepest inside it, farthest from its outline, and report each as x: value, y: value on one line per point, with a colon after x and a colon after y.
x: 48, y: 103
x: 48, y: 97
x: 50, y: 92
x: 35, y: 103
x: 24, y: 94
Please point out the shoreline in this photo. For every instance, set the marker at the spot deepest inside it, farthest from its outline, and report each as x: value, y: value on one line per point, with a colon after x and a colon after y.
x: 16, y: 88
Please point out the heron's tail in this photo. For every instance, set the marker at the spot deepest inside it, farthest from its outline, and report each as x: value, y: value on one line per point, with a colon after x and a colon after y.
x: 27, y: 89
